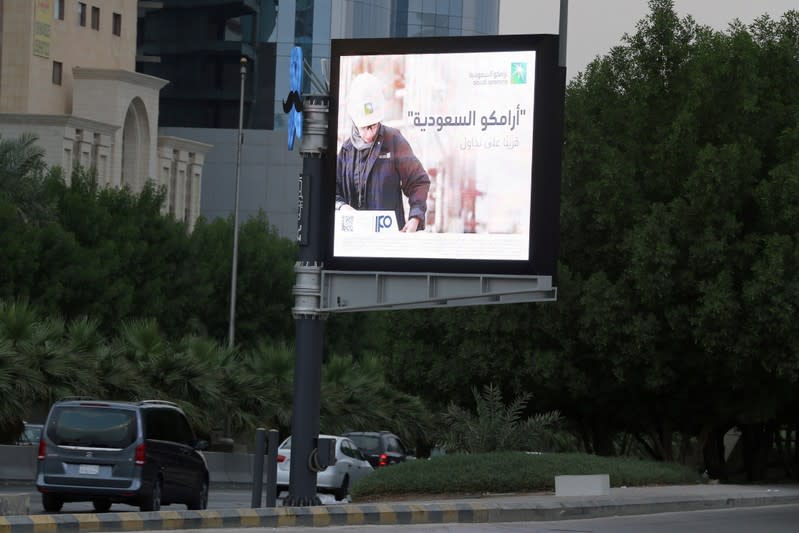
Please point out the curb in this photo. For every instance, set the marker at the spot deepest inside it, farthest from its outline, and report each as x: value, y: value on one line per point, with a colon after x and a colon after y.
x: 370, y: 514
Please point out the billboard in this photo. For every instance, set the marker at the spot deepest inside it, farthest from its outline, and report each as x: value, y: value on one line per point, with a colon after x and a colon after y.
x: 447, y: 154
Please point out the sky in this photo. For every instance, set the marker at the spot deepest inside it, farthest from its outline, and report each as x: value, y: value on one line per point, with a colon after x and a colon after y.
x: 595, y: 26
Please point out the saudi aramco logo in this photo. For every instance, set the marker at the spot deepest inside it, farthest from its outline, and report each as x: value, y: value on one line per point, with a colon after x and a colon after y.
x: 518, y: 72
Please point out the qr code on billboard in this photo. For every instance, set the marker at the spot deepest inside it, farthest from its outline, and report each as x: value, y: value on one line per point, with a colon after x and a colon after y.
x: 347, y: 223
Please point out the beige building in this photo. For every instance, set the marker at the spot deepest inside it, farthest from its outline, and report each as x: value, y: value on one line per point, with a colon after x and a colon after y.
x: 67, y: 74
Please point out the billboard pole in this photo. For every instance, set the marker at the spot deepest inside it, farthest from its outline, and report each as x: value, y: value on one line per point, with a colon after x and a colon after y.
x: 309, y: 320
x: 563, y: 25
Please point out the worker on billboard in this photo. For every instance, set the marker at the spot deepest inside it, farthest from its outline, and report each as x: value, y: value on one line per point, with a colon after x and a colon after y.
x: 376, y: 165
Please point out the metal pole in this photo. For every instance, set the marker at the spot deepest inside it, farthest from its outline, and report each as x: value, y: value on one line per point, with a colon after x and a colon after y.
x: 563, y: 26
x: 309, y: 321
x: 240, y: 141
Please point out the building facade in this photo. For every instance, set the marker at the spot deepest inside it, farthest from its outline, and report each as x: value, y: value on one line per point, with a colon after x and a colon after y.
x: 67, y: 75
x: 197, y: 47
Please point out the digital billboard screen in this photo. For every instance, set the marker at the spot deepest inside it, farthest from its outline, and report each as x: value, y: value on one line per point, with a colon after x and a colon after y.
x: 446, y: 156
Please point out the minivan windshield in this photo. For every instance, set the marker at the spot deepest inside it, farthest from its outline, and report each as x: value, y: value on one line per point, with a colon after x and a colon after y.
x: 92, y: 427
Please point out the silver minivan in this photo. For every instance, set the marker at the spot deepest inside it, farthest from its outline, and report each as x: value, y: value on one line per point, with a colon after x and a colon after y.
x: 139, y: 453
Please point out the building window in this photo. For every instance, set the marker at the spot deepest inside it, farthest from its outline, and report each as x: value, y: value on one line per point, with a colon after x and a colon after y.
x: 95, y: 18
x: 82, y: 13
x: 117, y: 24
x: 58, y: 10
x: 57, y: 68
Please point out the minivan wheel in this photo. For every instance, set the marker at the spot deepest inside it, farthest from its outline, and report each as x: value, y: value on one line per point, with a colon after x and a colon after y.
x: 342, y: 492
x: 101, y: 506
x: 52, y: 503
x: 199, y: 499
x: 151, y: 500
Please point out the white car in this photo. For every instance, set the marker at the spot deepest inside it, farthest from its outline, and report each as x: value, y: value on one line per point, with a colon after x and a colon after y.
x: 337, y: 479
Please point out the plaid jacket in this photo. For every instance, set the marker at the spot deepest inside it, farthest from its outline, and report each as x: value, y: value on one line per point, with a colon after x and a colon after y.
x: 376, y: 178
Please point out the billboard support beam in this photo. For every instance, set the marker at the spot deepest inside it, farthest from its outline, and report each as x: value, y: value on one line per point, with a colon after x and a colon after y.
x: 349, y: 291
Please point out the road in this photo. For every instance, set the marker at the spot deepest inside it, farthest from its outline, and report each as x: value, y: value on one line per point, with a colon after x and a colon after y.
x: 218, y: 498
x: 769, y: 519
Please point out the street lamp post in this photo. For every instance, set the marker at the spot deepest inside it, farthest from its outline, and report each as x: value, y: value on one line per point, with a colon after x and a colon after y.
x: 239, y: 141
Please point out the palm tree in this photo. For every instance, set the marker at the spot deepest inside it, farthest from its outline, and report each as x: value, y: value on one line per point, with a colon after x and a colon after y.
x: 270, y: 396
x: 18, y: 381
x: 22, y: 171
x: 65, y: 371
x: 349, y: 397
x: 38, y: 364
x: 174, y: 373
x: 356, y: 396
x: 224, y: 408
x: 496, y: 426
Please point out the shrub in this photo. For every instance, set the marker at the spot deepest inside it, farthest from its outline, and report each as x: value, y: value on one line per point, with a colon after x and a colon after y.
x: 503, y: 472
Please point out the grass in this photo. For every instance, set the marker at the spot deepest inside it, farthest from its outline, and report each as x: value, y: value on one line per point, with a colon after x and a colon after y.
x: 504, y: 472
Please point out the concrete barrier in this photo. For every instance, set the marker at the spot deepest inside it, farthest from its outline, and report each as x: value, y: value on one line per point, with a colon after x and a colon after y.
x: 229, y: 468
x: 591, y: 485
x: 18, y: 463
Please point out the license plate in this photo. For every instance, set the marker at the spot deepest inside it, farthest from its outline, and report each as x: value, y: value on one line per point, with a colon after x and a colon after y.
x: 89, y: 469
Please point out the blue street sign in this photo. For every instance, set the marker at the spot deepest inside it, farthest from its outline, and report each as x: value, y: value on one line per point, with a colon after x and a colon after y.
x: 293, y: 105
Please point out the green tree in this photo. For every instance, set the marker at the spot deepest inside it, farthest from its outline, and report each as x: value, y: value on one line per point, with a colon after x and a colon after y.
x: 19, y: 248
x: 673, y: 141
x: 678, y: 252
x: 120, y: 257
x: 264, y: 280
x: 266, y: 277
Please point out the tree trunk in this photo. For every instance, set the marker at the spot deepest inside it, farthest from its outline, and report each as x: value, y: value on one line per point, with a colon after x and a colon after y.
x: 757, y: 440
x: 603, y: 441
x: 713, y: 448
x: 691, y: 455
x: 783, y: 447
x: 642, y: 441
x: 10, y: 432
x: 796, y: 447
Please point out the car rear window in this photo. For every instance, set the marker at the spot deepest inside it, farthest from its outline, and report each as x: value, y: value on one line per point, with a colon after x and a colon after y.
x: 366, y: 443
x: 31, y: 434
x: 94, y: 427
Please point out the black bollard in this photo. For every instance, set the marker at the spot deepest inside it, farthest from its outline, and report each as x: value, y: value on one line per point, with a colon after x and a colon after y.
x: 271, y: 468
x: 258, y: 467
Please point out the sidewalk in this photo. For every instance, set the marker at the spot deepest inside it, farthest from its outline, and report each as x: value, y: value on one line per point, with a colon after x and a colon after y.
x: 486, y: 509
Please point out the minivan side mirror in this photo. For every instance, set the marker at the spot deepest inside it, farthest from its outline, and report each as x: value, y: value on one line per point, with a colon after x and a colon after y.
x: 201, y: 444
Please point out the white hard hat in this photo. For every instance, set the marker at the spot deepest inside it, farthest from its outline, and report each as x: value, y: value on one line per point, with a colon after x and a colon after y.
x: 366, y: 103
